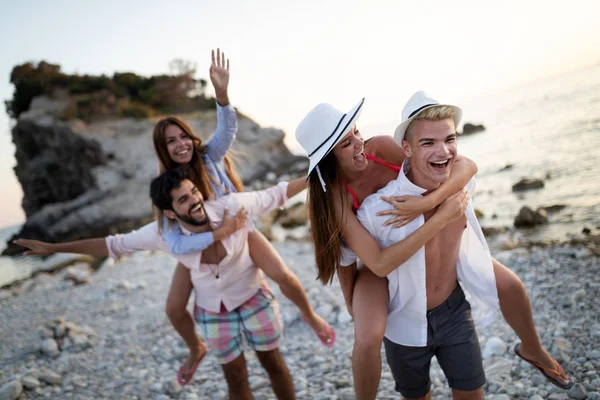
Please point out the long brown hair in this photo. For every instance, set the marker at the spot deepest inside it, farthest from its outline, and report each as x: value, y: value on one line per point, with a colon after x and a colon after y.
x: 196, y: 169
x: 325, y: 225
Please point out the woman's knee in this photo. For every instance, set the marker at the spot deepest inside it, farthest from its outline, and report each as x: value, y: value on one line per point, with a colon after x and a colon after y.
x: 369, y: 327
x: 368, y: 340
x: 507, y: 282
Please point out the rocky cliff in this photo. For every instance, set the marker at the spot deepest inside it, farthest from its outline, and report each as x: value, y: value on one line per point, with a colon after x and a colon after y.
x: 85, y: 180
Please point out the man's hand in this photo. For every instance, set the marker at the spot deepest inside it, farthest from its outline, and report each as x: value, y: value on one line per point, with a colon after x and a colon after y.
x: 231, y: 224
x: 37, y: 248
x: 454, y: 206
x: 219, y: 76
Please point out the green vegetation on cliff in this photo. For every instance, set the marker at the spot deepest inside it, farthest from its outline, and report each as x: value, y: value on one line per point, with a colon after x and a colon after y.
x: 124, y: 94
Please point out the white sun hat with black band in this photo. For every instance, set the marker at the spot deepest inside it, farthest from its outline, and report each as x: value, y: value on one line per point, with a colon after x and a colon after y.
x: 418, y: 102
x: 322, y: 128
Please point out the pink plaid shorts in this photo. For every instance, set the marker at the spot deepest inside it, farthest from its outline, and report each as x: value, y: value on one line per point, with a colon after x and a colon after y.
x: 258, y: 321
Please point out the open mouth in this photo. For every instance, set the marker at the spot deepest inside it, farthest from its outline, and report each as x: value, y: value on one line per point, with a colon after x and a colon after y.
x: 360, y: 158
x: 197, y: 209
x: 182, y: 152
x: 440, y: 165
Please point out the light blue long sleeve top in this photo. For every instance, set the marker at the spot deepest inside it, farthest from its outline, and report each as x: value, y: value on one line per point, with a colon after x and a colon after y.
x: 217, y: 148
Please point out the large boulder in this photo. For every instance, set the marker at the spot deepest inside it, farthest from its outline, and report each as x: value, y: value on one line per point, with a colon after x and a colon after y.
x: 528, y: 218
x: 53, y: 164
x: 527, y: 184
x: 469, y: 128
x: 100, y: 186
x: 293, y: 216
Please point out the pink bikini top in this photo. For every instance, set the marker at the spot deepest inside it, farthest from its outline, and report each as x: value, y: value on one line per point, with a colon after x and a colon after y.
x: 355, y: 204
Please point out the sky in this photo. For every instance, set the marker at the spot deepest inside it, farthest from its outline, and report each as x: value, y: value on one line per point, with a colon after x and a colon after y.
x: 286, y: 57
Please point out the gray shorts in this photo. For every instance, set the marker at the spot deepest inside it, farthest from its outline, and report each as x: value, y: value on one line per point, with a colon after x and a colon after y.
x: 451, y: 337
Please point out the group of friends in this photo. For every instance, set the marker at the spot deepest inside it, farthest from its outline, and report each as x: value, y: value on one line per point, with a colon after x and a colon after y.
x: 391, y: 216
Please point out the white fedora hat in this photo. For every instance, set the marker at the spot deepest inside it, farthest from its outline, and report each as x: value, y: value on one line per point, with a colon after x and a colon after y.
x: 418, y: 102
x: 322, y: 128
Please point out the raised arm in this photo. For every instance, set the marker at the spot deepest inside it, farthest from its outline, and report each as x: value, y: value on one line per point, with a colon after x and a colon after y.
x: 224, y: 135
x: 383, y: 261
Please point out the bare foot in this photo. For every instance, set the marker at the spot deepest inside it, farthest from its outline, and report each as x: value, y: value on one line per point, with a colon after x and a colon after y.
x: 321, y: 327
x: 544, y: 359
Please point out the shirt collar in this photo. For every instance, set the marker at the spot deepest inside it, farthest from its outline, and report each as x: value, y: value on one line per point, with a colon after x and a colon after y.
x: 404, y: 184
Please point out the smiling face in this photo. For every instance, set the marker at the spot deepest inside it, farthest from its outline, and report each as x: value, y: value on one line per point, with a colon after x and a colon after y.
x: 431, y: 146
x: 350, y: 152
x: 180, y: 145
x: 188, y: 205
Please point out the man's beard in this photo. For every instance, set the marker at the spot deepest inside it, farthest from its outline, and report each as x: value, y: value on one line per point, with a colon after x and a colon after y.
x: 188, y: 219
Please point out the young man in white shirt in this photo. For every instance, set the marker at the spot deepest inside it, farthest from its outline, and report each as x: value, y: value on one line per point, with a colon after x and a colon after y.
x: 428, y: 314
x: 233, y: 301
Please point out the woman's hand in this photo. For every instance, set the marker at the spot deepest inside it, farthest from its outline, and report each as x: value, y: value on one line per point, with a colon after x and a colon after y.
x: 406, y: 208
x: 219, y: 76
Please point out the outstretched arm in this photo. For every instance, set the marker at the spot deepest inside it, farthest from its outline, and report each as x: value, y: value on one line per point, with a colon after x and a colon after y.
x: 383, y: 261
x: 295, y: 186
x: 92, y: 247
x: 145, y: 238
x: 260, y: 202
x: 224, y: 135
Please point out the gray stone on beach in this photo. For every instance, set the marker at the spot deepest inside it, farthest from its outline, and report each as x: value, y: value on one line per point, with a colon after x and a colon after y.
x: 494, y: 346
x: 343, y: 316
x: 538, y: 380
x: 594, y: 354
x: 50, y: 377
x: 11, y: 391
x: 577, y: 392
x: 45, y: 333
x: 172, y: 387
x: 50, y: 347
x: 258, y: 382
x: 30, y: 382
x: 346, y: 394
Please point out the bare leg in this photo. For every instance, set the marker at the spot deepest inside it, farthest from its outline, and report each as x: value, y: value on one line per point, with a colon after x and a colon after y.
x: 369, y: 306
x: 280, y: 377
x: 181, y: 319
x: 236, y: 375
x: 516, y: 309
x: 476, y: 394
x: 266, y: 258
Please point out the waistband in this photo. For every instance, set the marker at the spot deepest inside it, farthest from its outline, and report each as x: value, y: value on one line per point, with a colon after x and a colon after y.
x: 454, y: 299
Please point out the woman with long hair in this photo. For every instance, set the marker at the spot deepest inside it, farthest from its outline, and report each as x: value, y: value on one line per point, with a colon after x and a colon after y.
x: 214, y: 174
x: 345, y: 170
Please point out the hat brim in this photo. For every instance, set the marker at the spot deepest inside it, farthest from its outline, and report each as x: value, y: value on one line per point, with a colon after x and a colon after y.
x: 401, y: 129
x: 344, y: 127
